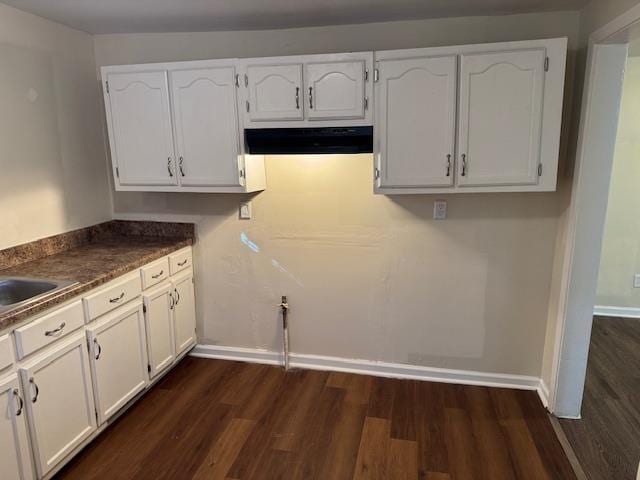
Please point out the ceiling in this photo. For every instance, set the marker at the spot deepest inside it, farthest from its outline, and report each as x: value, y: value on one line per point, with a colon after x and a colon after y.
x: 127, y: 16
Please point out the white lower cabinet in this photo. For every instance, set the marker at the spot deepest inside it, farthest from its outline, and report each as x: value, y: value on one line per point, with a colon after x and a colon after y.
x: 184, y: 312
x: 158, y: 306
x: 59, y: 401
x: 118, y: 358
x: 15, y: 454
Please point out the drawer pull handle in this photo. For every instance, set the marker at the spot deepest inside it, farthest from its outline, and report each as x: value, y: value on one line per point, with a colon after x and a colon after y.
x: 117, y: 299
x: 99, y: 352
x: 183, y: 263
x: 177, y: 296
x: 34, y: 399
x: 51, y: 333
x: 158, y: 275
x: 16, y: 394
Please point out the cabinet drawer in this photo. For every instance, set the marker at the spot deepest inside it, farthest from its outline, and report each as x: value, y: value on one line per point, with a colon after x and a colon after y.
x: 6, y: 357
x: 48, y: 329
x: 154, y: 273
x: 112, y: 297
x: 180, y: 260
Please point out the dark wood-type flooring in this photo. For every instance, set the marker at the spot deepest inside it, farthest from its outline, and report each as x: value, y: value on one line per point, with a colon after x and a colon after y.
x: 607, y: 438
x: 212, y: 419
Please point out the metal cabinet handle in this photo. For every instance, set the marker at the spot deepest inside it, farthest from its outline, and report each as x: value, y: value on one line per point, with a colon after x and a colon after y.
x: 172, y: 301
x: 298, y: 98
x: 169, y: 166
x: 448, y: 164
x: 183, y: 263
x: 34, y: 399
x: 177, y: 296
x: 95, y: 342
x: 16, y: 394
x: 310, y: 97
x: 464, y: 165
x: 50, y: 333
x: 117, y: 299
x: 180, y: 166
x: 158, y: 275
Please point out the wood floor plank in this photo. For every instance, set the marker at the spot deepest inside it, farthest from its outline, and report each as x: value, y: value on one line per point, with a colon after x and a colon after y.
x: 234, y: 421
x: 371, y: 463
x: 225, y: 450
x: 402, y: 460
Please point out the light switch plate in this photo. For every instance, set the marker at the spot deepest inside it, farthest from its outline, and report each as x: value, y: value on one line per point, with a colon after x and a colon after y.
x: 636, y: 280
x: 245, y: 212
x: 439, y: 210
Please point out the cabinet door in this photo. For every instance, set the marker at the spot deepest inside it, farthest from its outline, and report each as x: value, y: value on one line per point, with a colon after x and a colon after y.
x: 59, y: 401
x: 15, y: 454
x: 140, y: 131
x: 158, y: 304
x: 118, y: 359
x: 184, y: 312
x: 501, y: 96
x: 206, y: 122
x: 415, y: 121
x: 275, y: 92
x: 334, y: 90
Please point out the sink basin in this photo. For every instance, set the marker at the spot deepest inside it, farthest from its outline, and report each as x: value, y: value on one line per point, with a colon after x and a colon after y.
x: 16, y: 291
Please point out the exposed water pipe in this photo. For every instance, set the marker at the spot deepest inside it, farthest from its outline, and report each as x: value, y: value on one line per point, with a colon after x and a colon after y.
x: 284, y: 307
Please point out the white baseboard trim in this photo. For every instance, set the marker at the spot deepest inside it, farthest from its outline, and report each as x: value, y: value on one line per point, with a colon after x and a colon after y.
x: 368, y: 367
x: 543, y: 393
x: 625, y: 312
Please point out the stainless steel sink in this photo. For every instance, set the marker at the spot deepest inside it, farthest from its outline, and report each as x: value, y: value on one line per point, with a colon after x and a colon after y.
x: 17, y: 291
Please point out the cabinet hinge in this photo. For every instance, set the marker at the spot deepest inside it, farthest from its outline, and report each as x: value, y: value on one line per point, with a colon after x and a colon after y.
x: 246, y: 80
x: 247, y: 106
x: 96, y: 412
x: 546, y: 64
x: 107, y: 85
x: 241, y: 173
x: 237, y: 79
x: 376, y: 75
x: 144, y: 308
x: 376, y: 173
x: 539, y: 169
x: 366, y: 75
x: 117, y: 172
x: 148, y: 368
x: 366, y: 103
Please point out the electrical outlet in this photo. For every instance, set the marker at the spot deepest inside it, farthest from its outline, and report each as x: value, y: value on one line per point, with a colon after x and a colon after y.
x: 245, y: 211
x: 636, y: 280
x: 439, y: 209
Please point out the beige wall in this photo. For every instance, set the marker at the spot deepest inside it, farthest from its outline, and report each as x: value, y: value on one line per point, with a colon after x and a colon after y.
x: 367, y: 276
x: 621, y: 243
x: 53, y: 162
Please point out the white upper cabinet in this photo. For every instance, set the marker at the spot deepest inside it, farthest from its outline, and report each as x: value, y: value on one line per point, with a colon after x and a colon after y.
x: 501, y: 99
x: 415, y: 121
x: 307, y: 91
x: 274, y: 92
x: 206, y: 125
x: 470, y: 118
x: 174, y: 127
x: 335, y: 90
x: 15, y: 454
x: 141, y: 139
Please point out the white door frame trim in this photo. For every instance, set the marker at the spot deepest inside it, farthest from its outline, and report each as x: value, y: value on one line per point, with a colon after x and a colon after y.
x: 606, y: 59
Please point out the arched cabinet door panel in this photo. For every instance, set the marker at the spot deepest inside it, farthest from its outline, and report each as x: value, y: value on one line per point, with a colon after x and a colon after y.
x: 275, y: 92
x: 141, y: 135
x: 500, y: 119
x: 334, y: 90
x: 415, y: 121
x: 206, y: 125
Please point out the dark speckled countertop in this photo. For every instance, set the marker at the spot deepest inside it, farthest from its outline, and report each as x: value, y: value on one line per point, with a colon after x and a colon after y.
x: 103, y: 258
